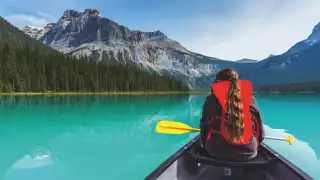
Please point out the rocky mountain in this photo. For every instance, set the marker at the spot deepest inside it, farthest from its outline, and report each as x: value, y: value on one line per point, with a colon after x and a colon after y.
x: 88, y: 34
x: 31, y: 31
x: 27, y: 65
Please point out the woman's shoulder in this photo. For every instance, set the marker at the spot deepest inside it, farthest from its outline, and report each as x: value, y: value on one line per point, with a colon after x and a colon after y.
x: 254, y: 102
x: 212, y: 97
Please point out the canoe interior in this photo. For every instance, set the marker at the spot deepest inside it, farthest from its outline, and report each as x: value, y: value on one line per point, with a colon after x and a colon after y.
x: 187, y: 164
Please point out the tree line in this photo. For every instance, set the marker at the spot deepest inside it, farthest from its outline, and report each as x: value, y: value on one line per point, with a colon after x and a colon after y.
x: 26, y: 68
x: 310, y: 86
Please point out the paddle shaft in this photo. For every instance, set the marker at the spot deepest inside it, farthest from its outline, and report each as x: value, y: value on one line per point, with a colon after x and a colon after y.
x: 275, y: 138
x: 197, y: 130
x: 178, y: 128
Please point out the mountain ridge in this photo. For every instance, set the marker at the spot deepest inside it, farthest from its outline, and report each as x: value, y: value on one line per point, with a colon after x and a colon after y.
x: 312, y: 39
x: 88, y: 34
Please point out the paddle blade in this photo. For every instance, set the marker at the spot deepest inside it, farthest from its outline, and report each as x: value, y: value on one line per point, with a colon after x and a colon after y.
x: 289, y: 139
x: 172, y: 127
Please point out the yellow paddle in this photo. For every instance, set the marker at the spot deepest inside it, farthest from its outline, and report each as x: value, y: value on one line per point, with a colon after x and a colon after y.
x: 173, y: 127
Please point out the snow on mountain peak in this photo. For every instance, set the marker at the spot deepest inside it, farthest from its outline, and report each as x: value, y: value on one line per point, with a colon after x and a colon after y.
x: 312, y: 39
x: 31, y: 31
x: 246, y: 61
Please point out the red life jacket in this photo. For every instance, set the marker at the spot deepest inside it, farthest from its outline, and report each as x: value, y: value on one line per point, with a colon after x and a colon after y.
x: 220, y: 90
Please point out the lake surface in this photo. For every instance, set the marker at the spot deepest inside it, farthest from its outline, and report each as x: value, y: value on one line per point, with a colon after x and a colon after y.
x: 113, y: 137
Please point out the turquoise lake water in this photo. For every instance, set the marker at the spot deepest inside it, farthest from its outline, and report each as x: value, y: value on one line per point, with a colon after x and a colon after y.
x: 113, y: 137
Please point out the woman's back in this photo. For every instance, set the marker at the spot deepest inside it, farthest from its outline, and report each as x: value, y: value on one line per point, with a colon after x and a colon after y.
x: 231, y: 127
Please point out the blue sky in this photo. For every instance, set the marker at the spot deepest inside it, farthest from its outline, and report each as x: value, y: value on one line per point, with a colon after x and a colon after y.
x: 227, y: 29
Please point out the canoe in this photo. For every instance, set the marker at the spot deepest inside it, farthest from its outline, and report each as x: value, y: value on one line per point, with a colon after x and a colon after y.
x: 191, y: 162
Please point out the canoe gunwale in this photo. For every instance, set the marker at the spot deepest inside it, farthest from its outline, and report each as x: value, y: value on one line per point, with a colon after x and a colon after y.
x: 174, y: 157
x: 286, y: 162
x: 167, y: 163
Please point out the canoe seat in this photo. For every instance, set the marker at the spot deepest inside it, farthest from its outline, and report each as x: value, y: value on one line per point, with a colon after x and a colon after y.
x: 201, y: 156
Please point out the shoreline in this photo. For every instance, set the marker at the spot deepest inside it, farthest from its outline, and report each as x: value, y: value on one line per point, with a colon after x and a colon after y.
x: 92, y: 93
x: 134, y: 93
x: 287, y: 92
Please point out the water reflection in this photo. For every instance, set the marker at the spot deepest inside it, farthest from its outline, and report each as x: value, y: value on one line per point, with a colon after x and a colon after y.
x: 88, y: 137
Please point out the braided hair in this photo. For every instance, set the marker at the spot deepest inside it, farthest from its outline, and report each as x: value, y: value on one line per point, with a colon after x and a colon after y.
x: 233, y: 123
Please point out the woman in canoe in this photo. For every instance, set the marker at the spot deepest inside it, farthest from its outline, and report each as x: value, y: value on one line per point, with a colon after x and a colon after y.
x: 231, y: 126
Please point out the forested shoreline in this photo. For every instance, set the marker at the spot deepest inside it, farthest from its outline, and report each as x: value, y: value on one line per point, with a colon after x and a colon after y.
x: 27, y: 65
x: 27, y: 69
x: 297, y: 87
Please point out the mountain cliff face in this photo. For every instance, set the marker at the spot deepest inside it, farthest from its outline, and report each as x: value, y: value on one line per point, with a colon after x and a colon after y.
x: 88, y: 34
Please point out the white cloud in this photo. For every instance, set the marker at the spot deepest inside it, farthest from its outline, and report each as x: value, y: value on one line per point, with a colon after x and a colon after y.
x: 22, y: 20
x: 47, y: 16
x: 258, y: 29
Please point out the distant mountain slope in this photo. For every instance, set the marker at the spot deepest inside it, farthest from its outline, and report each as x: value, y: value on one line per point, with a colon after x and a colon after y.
x: 299, y: 64
x: 246, y: 61
x: 312, y: 39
